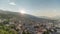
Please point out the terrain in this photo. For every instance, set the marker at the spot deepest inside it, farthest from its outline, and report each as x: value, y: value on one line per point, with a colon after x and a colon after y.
x: 14, y: 22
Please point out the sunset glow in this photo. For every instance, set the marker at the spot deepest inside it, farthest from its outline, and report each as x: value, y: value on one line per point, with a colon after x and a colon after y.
x: 22, y: 11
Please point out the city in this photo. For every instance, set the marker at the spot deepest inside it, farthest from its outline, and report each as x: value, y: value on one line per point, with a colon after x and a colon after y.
x: 29, y: 16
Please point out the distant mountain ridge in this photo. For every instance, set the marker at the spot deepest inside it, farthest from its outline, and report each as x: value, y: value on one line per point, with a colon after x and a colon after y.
x: 56, y: 17
x: 25, y: 16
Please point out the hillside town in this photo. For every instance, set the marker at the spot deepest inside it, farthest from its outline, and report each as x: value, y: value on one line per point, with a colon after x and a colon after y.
x: 28, y: 26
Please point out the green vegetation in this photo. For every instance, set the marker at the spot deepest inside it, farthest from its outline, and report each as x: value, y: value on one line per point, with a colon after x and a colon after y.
x: 25, y: 32
x: 6, y: 30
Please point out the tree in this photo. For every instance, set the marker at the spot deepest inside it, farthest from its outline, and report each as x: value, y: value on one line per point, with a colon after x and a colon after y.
x: 23, y: 32
x: 46, y: 32
x: 28, y: 32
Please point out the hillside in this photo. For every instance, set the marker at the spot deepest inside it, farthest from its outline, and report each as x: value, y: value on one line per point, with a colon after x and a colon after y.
x: 19, y: 22
x: 8, y: 14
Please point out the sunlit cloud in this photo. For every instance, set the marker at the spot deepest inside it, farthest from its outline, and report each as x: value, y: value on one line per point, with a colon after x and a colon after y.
x: 12, y: 3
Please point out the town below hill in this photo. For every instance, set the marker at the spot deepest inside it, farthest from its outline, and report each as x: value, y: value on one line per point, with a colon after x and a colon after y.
x: 17, y: 23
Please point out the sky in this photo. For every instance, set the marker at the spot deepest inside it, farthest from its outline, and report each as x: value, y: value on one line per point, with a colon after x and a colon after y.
x: 49, y: 8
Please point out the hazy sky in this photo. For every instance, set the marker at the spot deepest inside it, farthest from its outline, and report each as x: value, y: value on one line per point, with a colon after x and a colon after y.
x: 35, y: 7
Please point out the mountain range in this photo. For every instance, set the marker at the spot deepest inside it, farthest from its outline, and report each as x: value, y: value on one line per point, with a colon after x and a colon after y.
x: 9, y: 14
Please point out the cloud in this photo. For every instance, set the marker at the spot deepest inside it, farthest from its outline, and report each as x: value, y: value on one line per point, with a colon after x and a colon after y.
x: 8, y: 0
x: 6, y: 9
x: 12, y: 3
